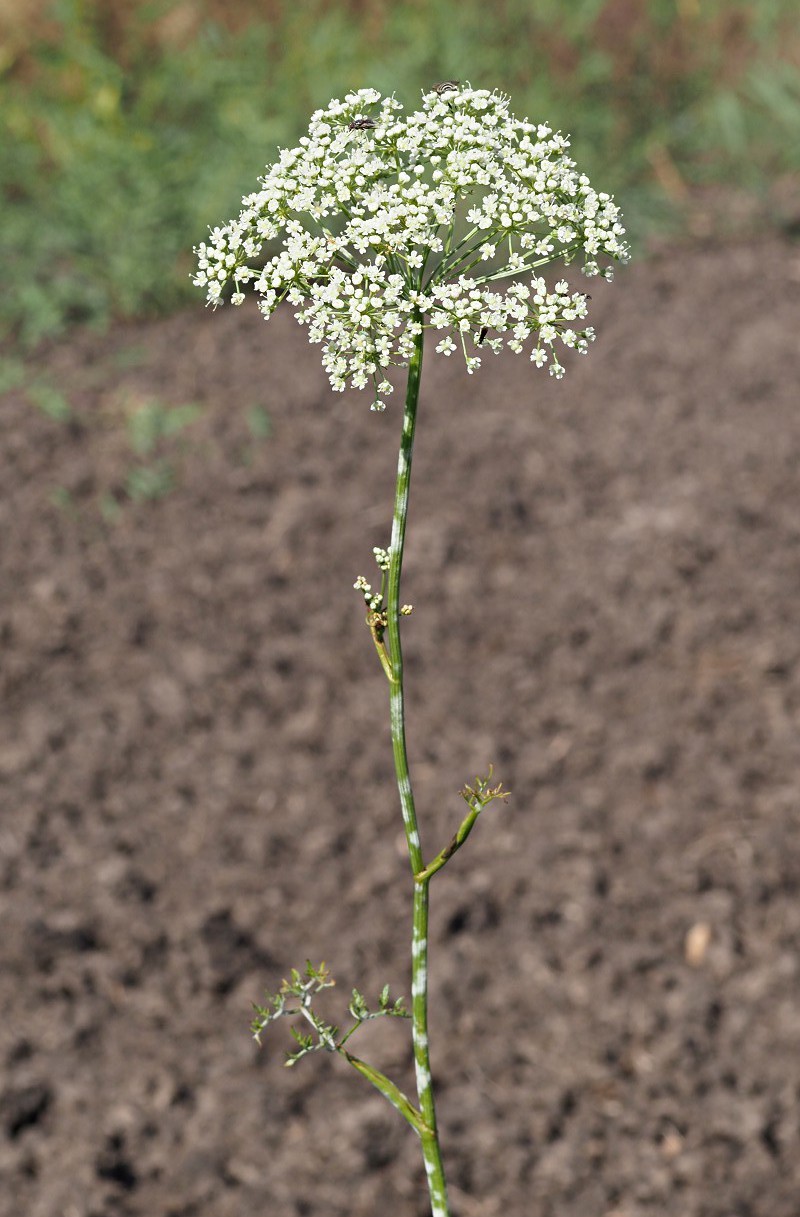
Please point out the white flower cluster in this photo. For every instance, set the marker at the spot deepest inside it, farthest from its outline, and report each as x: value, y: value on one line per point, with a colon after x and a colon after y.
x: 381, y: 224
x: 375, y: 601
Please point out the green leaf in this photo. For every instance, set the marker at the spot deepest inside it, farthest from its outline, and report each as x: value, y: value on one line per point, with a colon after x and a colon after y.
x: 358, y: 1006
x: 780, y: 96
x: 129, y: 357
x: 61, y: 498
x: 177, y: 418
x: 12, y: 374
x: 150, y: 481
x: 110, y: 509
x: 144, y: 428
x: 259, y: 422
x: 50, y: 401
x: 153, y: 421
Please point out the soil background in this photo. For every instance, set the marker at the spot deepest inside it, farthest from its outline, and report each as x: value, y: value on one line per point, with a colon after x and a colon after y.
x: 197, y: 788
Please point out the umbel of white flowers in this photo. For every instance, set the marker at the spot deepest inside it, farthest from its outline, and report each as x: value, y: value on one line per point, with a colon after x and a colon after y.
x: 380, y: 223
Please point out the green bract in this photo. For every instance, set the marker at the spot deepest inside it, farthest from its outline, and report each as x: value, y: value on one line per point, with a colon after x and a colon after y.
x: 380, y: 224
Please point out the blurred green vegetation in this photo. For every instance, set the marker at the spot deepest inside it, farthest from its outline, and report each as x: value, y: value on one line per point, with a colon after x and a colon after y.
x: 128, y: 128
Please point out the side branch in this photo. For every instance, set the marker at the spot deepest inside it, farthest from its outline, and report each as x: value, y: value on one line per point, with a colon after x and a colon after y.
x: 390, y: 1092
x: 476, y: 798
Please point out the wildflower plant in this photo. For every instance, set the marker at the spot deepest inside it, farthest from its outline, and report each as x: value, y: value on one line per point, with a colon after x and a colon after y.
x: 378, y: 227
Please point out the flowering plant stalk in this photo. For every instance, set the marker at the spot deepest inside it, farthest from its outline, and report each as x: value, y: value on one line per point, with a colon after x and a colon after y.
x: 378, y: 227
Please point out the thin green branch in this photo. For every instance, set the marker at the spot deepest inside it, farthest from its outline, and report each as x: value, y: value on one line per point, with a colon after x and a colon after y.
x: 522, y: 270
x: 442, y: 269
x: 391, y: 1092
x: 464, y: 829
x: 476, y: 798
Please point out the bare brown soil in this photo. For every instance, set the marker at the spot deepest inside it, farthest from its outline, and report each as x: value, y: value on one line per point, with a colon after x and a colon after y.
x: 197, y: 788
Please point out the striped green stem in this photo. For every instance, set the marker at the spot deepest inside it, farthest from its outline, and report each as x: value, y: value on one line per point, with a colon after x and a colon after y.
x: 419, y: 943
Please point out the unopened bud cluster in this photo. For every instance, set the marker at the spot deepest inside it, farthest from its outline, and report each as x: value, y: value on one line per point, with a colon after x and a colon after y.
x: 380, y: 224
x: 374, y: 600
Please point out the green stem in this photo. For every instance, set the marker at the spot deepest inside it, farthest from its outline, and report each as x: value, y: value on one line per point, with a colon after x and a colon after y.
x: 441, y: 859
x: 419, y: 942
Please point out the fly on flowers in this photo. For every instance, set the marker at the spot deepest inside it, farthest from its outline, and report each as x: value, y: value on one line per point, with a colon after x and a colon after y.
x: 380, y: 223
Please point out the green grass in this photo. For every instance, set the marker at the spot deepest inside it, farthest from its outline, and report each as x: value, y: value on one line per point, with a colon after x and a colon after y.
x: 113, y: 165
x: 152, y: 422
x: 50, y: 401
x: 150, y: 427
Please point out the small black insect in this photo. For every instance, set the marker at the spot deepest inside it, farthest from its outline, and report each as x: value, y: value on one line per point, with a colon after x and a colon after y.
x: 361, y: 124
x: 482, y: 335
x: 447, y: 86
